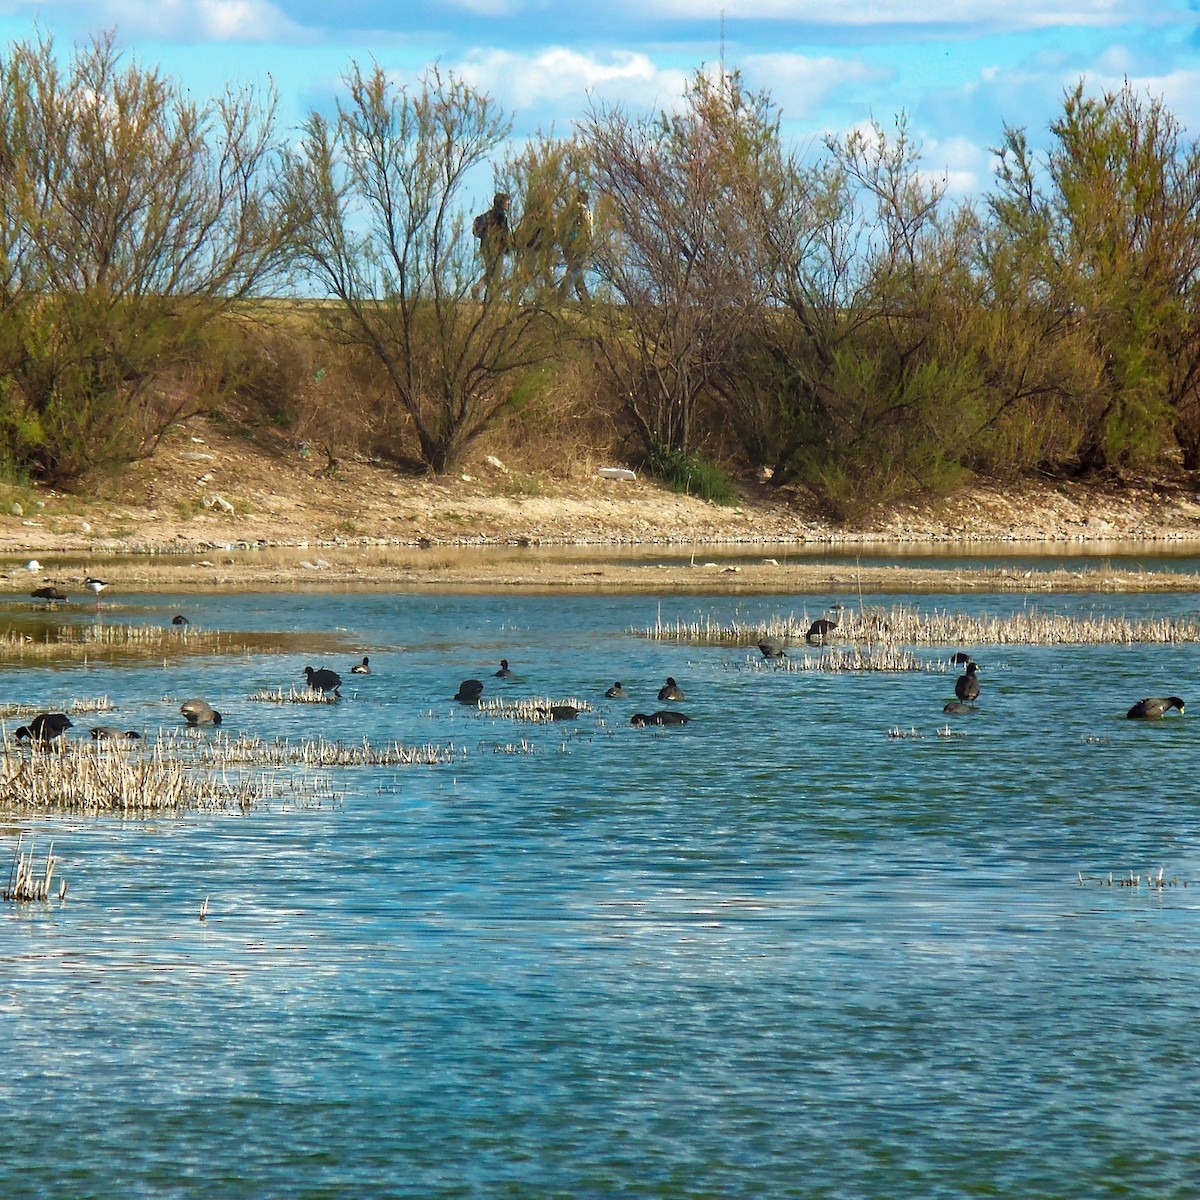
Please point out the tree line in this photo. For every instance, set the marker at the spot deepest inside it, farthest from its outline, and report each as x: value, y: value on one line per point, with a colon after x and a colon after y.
x: 836, y: 318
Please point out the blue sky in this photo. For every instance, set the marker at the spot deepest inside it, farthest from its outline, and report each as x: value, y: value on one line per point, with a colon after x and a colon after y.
x: 959, y: 70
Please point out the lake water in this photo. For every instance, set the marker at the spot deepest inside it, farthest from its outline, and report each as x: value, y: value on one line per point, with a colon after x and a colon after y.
x: 774, y: 953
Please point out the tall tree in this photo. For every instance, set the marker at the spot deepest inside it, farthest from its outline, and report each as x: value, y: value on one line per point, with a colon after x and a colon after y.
x: 376, y: 194
x: 682, y: 250
x: 1107, y: 230
x: 875, y: 389
x: 133, y: 219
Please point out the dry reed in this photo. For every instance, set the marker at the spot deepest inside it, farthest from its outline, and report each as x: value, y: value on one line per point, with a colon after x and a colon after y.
x: 87, y: 777
x: 97, y: 704
x: 27, y: 883
x: 1154, y: 880
x: 904, y: 625
x: 536, y: 709
x: 852, y: 658
x: 137, y: 641
x: 219, y: 751
x: 523, y: 747
x: 294, y: 695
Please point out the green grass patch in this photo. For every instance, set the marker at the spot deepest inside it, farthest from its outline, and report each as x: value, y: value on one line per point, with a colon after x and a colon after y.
x: 690, y: 474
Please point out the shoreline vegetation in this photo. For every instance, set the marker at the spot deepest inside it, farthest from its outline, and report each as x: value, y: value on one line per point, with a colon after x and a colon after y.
x: 681, y: 294
x: 287, y: 523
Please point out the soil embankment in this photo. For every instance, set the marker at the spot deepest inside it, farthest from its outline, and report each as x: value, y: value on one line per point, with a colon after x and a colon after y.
x: 211, y: 509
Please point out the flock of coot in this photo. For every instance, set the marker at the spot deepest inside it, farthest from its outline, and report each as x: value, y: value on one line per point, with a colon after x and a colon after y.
x: 46, y: 727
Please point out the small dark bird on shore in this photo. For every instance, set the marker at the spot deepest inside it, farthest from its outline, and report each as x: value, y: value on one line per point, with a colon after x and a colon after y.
x: 616, y: 692
x: 50, y: 594
x: 771, y: 648
x: 180, y: 619
x: 504, y: 672
x: 44, y: 728
x: 323, y: 680
x: 670, y: 690
x: 665, y: 717
x: 105, y: 733
x: 469, y: 691
x: 966, y: 688
x: 200, y: 712
x: 362, y: 668
x: 1153, y: 707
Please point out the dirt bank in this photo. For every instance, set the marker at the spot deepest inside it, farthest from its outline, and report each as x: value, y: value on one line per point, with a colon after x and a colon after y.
x: 211, y: 508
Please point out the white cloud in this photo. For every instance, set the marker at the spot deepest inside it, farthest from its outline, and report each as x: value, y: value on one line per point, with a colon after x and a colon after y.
x: 565, y: 79
x: 800, y: 84
x: 964, y: 166
x: 187, y: 20
x: 977, y: 17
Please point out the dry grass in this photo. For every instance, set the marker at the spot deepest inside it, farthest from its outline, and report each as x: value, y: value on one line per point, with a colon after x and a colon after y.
x: 901, y: 625
x: 294, y: 695
x: 74, y: 708
x: 110, y: 641
x: 536, y: 709
x: 833, y: 659
x: 88, y: 778
x: 220, y: 752
x: 25, y: 881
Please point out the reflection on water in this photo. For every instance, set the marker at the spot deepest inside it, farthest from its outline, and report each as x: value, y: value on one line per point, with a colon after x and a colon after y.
x: 771, y: 953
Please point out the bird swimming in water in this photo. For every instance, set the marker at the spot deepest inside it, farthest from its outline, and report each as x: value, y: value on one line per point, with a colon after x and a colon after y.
x: 362, y: 668
x: 200, y: 712
x: 616, y: 692
x: 823, y: 626
x: 44, y: 728
x: 966, y: 687
x: 323, y: 680
x: 107, y: 733
x: 180, y: 619
x: 95, y: 586
x: 561, y: 712
x: 956, y: 708
x: 504, y: 672
x: 49, y: 593
x: 771, y: 648
x: 1153, y: 707
x: 665, y: 717
x: 961, y: 658
x: 469, y: 691
x: 670, y: 690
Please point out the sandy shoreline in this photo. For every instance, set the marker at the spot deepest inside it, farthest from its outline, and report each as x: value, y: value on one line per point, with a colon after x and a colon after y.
x: 677, y: 568
x: 212, y: 512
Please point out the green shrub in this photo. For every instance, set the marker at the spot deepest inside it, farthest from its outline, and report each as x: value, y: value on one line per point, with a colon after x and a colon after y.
x: 687, y: 473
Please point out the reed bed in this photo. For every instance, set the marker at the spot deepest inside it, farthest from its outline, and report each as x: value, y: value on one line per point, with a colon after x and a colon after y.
x: 905, y: 625
x: 25, y: 881
x: 512, y: 749
x: 854, y: 658
x: 1153, y: 880
x: 220, y: 752
x: 294, y: 695
x: 82, y: 777
x: 74, y: 708
x: 536, y: 709
x: 139, y: 641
